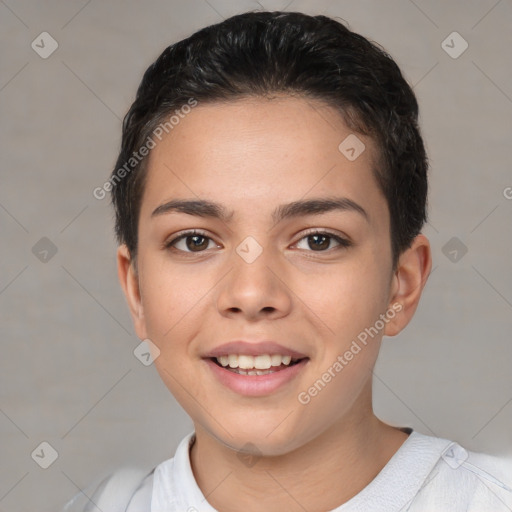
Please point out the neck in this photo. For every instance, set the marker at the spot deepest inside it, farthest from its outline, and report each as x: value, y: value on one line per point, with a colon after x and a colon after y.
x: 320, y: 475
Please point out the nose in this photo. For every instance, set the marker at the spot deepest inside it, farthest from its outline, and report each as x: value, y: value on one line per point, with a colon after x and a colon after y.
x: 254, y: 288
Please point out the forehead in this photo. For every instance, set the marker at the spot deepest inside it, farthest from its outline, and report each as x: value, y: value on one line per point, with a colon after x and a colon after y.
x: 254, y: 151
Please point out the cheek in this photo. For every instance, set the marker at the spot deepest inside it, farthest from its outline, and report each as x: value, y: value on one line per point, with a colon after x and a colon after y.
x: 170, y: 296
x: 172, y: 307
x: 349, y: 300
x: 174, y: 299
x: 348, y: 297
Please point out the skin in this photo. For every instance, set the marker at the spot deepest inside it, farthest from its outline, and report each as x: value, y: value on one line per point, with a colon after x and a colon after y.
x: 252, y: 155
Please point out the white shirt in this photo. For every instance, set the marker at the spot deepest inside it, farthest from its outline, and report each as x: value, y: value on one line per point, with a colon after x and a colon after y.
x: 426, y: 474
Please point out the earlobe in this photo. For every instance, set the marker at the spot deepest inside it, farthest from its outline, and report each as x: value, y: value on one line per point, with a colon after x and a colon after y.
x: 129, y: 281
x: 408, y: 282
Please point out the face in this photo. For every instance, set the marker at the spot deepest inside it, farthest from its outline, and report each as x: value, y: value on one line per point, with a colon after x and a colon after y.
x: 305, y: 281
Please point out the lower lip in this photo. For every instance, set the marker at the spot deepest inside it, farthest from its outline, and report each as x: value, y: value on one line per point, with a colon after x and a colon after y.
x: 255, y: 385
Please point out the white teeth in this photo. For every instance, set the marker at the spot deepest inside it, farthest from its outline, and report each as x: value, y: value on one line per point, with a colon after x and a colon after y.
x: 261, y: 362
x: 276, y: 360
x: 245, y: 362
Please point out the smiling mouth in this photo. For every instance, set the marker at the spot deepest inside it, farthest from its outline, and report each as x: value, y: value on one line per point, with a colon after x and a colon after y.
x: 255, y: 365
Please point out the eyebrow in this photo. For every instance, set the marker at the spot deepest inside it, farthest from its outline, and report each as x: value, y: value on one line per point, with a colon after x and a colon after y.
x: 206, y: 208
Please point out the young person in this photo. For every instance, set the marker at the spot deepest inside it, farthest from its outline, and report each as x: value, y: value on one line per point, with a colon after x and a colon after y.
x: 270, y: 194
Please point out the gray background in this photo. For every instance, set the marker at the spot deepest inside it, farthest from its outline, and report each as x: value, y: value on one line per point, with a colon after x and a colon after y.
x: 68, y: 372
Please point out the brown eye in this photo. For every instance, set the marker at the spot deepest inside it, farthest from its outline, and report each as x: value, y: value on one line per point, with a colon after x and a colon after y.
x: 191, y: 241
x: 320, y: 241
x: 196, y: 243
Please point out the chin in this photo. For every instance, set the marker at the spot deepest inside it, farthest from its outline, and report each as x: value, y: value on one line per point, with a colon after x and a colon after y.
x: 260, y: 439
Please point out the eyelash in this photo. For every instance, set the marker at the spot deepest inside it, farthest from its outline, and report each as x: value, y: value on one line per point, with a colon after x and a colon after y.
x: 343, y: 242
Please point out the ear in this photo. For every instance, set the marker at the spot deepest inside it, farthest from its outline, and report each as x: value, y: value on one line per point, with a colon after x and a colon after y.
x: 129, y: 280
x: 407, y: 283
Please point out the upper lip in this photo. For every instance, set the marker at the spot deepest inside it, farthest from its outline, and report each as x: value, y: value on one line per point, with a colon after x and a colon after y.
x: 258, y: 348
